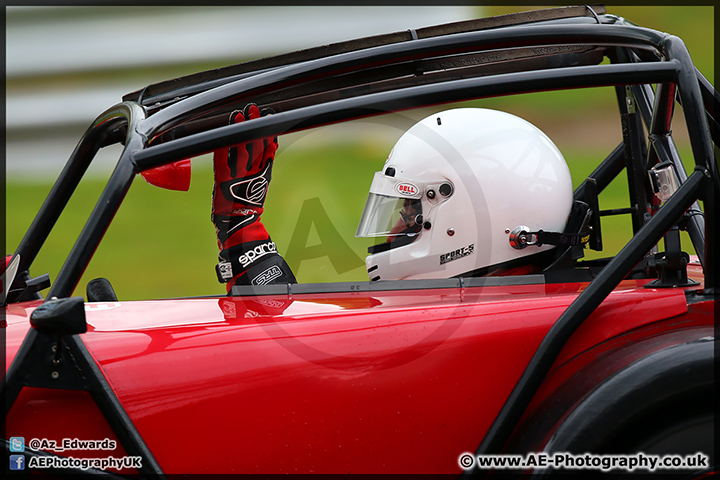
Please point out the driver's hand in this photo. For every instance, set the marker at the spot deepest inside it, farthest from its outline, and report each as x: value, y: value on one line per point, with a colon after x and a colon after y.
x: 242, y: 175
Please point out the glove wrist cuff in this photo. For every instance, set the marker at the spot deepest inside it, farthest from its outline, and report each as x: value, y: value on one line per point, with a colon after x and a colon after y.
x: 253, y: 263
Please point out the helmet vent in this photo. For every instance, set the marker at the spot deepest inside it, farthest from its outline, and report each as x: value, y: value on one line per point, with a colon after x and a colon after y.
x: 390, y: 171
x: 439, y: 121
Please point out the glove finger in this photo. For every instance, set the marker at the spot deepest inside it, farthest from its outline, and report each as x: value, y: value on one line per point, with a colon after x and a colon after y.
x: 233, y: 152
x: 251, y: 111
x: 270, y: 144
x: 270, y: 147
x: 255, y: 148
x: 237, y: 116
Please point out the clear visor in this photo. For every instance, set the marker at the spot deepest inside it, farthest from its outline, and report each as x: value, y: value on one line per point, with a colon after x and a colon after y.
x: 390, y: 216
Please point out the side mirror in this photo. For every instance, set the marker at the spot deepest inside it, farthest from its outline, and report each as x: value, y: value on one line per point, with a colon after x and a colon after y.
x: 8, y: 275
x: 61, y: 316
x: 173, y: 176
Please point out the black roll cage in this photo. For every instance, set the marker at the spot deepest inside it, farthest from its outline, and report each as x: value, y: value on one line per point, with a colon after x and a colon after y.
x: 521, y: 53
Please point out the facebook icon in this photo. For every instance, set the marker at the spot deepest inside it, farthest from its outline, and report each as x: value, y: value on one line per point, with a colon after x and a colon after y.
x: 17, y: 462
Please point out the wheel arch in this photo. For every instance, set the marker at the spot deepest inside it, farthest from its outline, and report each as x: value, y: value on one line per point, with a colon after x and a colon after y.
x: 603, y: 406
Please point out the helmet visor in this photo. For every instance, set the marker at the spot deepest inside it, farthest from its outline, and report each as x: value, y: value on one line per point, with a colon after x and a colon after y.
x: 392, y: 209
x: 391, y: 216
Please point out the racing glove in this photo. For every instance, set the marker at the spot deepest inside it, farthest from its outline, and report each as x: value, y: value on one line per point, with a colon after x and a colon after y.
x: 242, y: 174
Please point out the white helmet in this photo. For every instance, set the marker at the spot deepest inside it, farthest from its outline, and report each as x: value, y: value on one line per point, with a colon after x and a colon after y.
x: 465, y: 182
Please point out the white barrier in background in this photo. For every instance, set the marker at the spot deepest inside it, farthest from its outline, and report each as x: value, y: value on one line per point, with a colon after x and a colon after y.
x: 45, y: 117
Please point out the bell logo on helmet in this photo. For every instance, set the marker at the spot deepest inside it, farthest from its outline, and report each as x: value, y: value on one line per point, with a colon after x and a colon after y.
x: 406, y: 189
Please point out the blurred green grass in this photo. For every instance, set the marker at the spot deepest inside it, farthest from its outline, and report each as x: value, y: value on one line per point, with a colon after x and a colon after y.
x: 162, y: 244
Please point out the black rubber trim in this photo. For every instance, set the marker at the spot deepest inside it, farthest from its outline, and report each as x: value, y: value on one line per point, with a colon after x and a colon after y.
x: 384, y: 247
x: 382, y: 286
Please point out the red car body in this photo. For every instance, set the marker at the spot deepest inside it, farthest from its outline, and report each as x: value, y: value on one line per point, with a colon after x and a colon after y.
x: 350, y: 382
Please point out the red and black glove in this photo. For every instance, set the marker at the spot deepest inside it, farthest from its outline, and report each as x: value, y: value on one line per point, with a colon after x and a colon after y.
x: 242, y: 174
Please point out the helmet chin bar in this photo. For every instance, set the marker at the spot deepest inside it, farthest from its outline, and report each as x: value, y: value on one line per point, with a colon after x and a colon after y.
x: 521, y: 237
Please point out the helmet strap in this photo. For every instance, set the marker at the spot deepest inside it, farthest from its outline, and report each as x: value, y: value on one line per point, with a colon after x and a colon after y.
x: 523, y: 238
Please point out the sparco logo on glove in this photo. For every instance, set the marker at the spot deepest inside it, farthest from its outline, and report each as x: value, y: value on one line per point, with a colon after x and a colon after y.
x: 261, y: 250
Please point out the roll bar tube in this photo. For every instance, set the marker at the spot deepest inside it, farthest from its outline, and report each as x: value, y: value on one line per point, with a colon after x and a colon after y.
x: 154, y: 96
x: 383, y: 102
x: 100, y: 131
x: 124, y: 116
x: 699, y: 131
x: 520, y: 36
